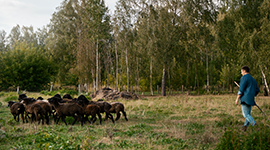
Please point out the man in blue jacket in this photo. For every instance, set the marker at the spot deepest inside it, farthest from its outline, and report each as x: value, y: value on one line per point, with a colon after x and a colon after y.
x: 247, y: 91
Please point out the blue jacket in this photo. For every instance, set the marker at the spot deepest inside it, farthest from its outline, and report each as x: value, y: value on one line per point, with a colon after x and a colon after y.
x: 248, y: 89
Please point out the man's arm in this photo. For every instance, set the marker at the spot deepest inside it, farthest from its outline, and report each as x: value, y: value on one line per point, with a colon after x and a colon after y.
x: 237, y: 99
x: 243, y: 84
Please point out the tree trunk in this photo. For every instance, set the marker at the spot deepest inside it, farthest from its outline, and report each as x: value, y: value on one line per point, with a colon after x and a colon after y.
x: 211, y: 69
x: 97, y: 71
x: 180, y: 74
x: 182, y: 89
x: 18, y: 89
x: 265, y: 82
x: 93, y: 78
x: 127, y: 70
x: 233, y: 75
x: 51, y: 87
x: 120, y: 73
x: 169, y: 78
x: 163, y: 91
x: 151, y: 71
x: 228, y: 81
x: 85, y: 86
x: 138, y: 77
x: 116, y: 72
x: 265, y: 92
x: 196, y: 73
x: 187, y: 83
x: 225, y: 74
x: 107, y: 71
x: 207, y: 70
x: 79, y: 89
x: 264, y: 78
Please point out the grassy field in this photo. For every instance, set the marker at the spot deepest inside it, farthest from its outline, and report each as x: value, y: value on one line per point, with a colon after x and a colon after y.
x: 173, y: 122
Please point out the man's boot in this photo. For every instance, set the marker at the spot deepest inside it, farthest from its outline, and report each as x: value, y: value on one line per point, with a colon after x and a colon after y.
x: 244, y: 128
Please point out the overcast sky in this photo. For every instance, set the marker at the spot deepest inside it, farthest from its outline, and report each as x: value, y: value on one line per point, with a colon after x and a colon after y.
x: 36, y: 13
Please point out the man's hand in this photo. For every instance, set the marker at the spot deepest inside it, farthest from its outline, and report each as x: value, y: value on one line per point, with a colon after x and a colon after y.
x: 236, y: 101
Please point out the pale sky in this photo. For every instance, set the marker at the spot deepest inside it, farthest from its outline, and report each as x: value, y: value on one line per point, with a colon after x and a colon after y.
x: 36, y: 13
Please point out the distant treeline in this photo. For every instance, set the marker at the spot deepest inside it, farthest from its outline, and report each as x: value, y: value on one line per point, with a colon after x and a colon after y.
x: 200, y: 44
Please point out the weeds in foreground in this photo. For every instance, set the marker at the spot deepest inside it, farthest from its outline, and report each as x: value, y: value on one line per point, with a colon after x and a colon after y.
x: 255, y: 138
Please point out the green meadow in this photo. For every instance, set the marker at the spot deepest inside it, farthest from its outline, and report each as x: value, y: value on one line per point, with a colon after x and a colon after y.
x: 172, y: 122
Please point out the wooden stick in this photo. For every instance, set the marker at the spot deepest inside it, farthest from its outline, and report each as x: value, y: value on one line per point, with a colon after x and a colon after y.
x: 236, y: 83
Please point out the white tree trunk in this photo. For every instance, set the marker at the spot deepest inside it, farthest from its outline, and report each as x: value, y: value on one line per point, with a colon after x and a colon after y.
x: 207, y: 70
x: 163, y: 91
x: 169, y: 78
x: 93, y: 78
x: 127, y: 70
x: 51, y: 87
x: 99, y: 73
x: 97, y: 67
x: 137, y: 78
x: 264, y: 78
x: 265, y: 82
x: 116, y: 72
x: 233, y: 75
x: 79, y: 89
x: 18, y: 89
x: 121, y: 68
x: 151, y: 77
x: 187, y: 83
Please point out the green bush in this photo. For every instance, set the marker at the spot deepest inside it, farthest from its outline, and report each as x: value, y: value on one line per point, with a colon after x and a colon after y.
x: 46, y: 92
x: 70, y: 92
x: 26, y: 66
x: 11, y: 98
x: 61, y: 92
x: 2, y: 94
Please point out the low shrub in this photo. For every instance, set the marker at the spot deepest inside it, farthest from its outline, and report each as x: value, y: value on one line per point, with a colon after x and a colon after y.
x: 11, y: 98
x: 46, y: 92
x: 2, y: 94
x: 61, y: 92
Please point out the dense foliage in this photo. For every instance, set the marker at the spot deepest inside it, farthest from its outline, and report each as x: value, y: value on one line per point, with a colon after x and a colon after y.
x: 25, y: 66
x: 194, y: 43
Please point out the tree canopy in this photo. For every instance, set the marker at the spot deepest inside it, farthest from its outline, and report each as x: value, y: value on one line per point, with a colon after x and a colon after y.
x: 198, y: 44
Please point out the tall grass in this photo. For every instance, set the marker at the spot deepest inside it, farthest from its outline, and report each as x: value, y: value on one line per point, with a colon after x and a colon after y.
x: 173, y: 122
